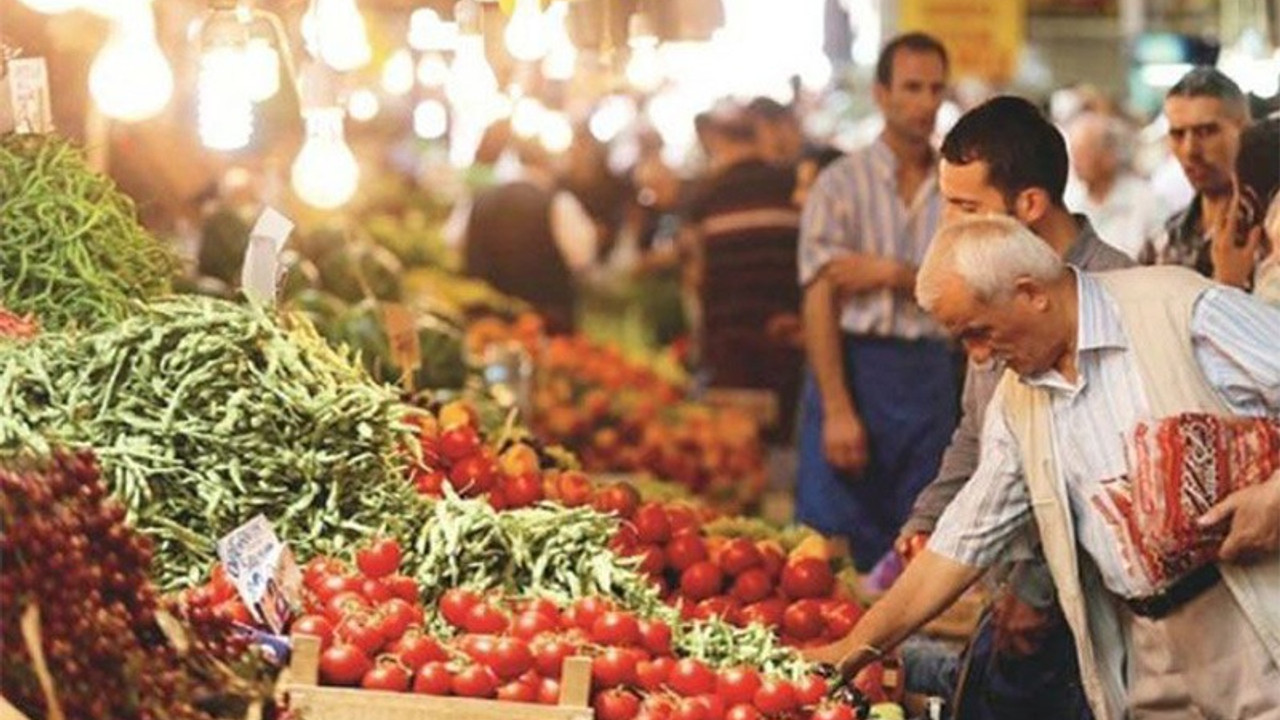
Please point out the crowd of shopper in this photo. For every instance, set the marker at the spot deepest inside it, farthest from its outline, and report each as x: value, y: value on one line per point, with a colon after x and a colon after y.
x: 961, y: 335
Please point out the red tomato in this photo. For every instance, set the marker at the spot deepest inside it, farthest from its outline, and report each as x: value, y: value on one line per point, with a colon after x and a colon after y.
x: 456, y: 604
x: 532, y: 623
x: 518, y: 691
x: 807, y: 578
x: 375, y: 591
x: 397, y: 617
x: 316, y: 626
x: 459, y: 442
x: 690, y: 709
x: 834, y: 712
x: 319, y: 568
x: 549, y: 691
x: 433, y: 678
x: 511, y: 658
x: 612, y: 668
x: 701, y: 580
x: 583, y: 613
x: 541, y: 605
x: 803, y: 620
x: 739, y: 555
x: 418, y: 650
x: 549, y: 655
x: 523, y: 490
x: 811, y: 690
x: 616, y: 704
x: 743, y: 712
x: 681, y: 517
x: 655, y: 636
x: 653, y: 561
x: 685, y: 549
x: 387, y: 675
x: 766, y: 612
x: 402, y: 587
x: 379, y: 559
x: 657, y: 707
x: 480, y: 648
x: 714, y: 705
x: 343, y: 665
x: 738, y: 685
x: 486, y: 619
x: 361, y: 631
x: 775, y: 697
x: 651, y: 523
x: 429, y: 482
x: 473, y: 475
x: 840, y: 616
x: 716, y: 607
x: 345, y: 603
x: 625, y: 541
x: 619, y: 498
x: 651, y: 675
x: 772, y: 558
x: 476, y: 681
x: 751, y: 586
x: 690, y: 677
x: 331, y: 585
x: 616, y: 628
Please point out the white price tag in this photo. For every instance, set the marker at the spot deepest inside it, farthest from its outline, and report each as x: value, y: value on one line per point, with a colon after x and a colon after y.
x: 263, y: 571
x: 25, y: 106
x: 260, y: 275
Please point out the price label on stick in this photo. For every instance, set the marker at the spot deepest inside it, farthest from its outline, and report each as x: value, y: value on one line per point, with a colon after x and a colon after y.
x: 24, y: 97
x: 260, y: 275
x: 263, y: 571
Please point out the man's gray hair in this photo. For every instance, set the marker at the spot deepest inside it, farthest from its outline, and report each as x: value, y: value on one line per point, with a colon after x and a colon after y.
x: 1207, y: 81
x: 990, y: 254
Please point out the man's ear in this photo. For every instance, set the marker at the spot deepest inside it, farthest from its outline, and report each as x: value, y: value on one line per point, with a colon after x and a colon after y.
x: 1032, y: 292
x: 1031, y: 205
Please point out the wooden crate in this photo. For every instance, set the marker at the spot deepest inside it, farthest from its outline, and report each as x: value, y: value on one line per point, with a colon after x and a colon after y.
x: 314, y: 702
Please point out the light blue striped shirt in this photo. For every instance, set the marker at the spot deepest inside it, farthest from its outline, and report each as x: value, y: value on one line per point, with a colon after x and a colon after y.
x: 854, y: 207
x: 1236, y: 341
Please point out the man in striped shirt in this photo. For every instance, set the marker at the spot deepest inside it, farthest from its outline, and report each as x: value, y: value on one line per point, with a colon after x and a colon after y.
x: 882, y: 400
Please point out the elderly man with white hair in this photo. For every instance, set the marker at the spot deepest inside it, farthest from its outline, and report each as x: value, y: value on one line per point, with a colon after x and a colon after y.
x: 1163, y: 630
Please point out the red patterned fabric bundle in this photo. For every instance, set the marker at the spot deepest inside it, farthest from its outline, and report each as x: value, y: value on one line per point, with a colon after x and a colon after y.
x: 1184, y: 465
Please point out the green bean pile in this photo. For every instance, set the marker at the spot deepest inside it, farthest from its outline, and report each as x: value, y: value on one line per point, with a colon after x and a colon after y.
x: 548, y: 551
x: 203, y: 414
x: 722, y: 645
x: 71, y: 248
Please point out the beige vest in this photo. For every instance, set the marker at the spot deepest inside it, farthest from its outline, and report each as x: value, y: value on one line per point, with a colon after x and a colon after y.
x: 1155, y: 307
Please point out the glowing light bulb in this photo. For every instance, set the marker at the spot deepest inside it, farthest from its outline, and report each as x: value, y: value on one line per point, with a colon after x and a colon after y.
x: 130, y: 79
x: 335, y: 33
x: 397, y: 73
x: 433, y: 71
x: 428, y: 32
x: 644, y: 72
x: 224, y: 109
x: 524, y: 36
x: 363, y: 105
x: 325, y: 174
x: 471, y: 81
x: 611, y: 117
x: 262, y: 65
x: 556, y: 134
x: 430, y: 120
x: 51, y: 7
x: 562, y: 57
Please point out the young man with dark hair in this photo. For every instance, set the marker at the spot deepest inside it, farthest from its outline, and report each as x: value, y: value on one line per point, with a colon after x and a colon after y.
x: 881, y: 402
x: 1207, y: 111
x: 1004, y: 157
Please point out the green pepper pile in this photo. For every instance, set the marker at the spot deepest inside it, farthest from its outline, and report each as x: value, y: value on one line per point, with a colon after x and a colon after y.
x: 203, y: 414
x: 71, y: 249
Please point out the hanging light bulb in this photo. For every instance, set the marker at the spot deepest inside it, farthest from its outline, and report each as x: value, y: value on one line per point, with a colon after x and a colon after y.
x: 562, y: 57
x: 525, y: 36
x: 130, y: 79
x: 430, y: 120
x: 556, y: 133
x: 262, y: 65
x: 644, y: 71
x: 335, y: 33
x: 363, y: 105
x: 527, y: 117
x: 325, y: 173
x: 397, y: 73
x: 471, y: 81
x: 224, y: 106
x: 51, y: 7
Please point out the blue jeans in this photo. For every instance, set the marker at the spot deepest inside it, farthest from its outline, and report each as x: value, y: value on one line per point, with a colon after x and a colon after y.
x: 907, y: 394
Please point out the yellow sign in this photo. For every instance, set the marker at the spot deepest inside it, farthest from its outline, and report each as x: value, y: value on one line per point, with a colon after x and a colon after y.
x: 983, y: 37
